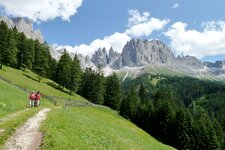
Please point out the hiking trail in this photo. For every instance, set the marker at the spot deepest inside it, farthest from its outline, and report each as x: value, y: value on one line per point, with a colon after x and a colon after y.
x: 28, y: 137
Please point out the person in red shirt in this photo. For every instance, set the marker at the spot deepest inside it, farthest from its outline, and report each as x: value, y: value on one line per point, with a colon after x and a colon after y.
x: 37, y: 98
x: 32, y: 99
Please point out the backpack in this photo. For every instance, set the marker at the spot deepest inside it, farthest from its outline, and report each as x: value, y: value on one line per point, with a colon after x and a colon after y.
x: 32, y: 96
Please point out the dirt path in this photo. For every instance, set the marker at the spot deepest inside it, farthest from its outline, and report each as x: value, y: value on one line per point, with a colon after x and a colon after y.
x: 28, y: 137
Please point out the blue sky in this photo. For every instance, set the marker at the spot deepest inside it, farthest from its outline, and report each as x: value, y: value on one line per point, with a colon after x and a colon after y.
x: 193, y: 27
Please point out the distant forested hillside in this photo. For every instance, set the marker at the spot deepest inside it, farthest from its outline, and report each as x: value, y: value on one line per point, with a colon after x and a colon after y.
x: 184, y: 112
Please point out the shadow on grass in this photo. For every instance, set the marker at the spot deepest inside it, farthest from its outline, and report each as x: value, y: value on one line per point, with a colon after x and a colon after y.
x: 30, y: 77
x: 57, y: 87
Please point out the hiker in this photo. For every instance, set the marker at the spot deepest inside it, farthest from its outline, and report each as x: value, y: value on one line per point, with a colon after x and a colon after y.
x: 32, y: 99
x: 37, y: 99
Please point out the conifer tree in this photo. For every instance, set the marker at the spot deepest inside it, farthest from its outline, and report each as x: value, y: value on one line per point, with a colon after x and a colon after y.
x: 86, y: 84
x: 40, y: 62
x: 53, y: 67
x: 99, y: 88
x: 183, y: 130
x: 92, y: 86
x: 29, y: 49
x: 21, y: 51
x: 164, y: 115
x: 125, y: 107
x: 142, y: 93
x: 74, y: 75
x: 63, y: 68
x: 12, y: 49
x: 130, y: 105
x: 112, y: 92
x: 3, y: 42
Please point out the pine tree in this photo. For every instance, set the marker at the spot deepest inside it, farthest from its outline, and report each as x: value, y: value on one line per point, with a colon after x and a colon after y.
x: 144, y: 115
x: 205, y: 135
x: 52, y: 64
x: 92, y: 86
x: 21, y: 51
x: 53, y: 67
x: 86, y: 84
x: 12, y: 48
x: 40, y: 62
x: 163, y: 116
x: 112, y: 92
x: 125, y: 107
x: 183, y: 130
x: 74, y: 75
x: 62, y: 71
x: 142, y: 93
x: 129, y: 106
x: 99, y: 88
x: 29, y: 53
x: 3, y: 42
x: 9, y: 45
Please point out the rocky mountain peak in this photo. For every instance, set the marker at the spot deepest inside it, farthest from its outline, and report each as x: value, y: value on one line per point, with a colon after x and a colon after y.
x: 218, y: 64
x: 85, y: 62
x: 23, y: 25
x: 100, y: 58
x: 138, y: 52
x: 113, y: 56
x: 189, y: 61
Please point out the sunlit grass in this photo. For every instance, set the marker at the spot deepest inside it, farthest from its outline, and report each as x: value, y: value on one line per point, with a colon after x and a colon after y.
x: 94, y: 128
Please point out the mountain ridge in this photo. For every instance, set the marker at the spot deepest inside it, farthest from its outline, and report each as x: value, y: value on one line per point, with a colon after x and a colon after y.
x: 139, y: 55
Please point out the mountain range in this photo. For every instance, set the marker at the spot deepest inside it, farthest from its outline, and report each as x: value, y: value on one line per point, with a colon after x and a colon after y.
x: 138, y: 57
x: 142, y: 56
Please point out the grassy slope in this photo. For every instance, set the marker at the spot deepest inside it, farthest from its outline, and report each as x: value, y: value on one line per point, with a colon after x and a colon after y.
x: 76, y: 128
x: 94, y: 128
x: 27, y: 79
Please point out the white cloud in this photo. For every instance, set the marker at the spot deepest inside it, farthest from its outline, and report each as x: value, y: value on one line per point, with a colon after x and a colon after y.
x: 136, y: 17
x: 116, y: 40
x: 209, y: 42
x: 146, y: 28
x: 141, y: 25
x: 41, y: 10
x: 213, y: 25
x: 176, y: 5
